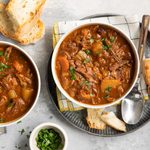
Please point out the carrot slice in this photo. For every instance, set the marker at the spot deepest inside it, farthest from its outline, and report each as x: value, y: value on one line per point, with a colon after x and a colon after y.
x: 64, y: 63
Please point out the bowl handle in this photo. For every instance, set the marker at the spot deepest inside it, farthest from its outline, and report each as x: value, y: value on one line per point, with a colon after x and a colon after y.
x: 2, y: 130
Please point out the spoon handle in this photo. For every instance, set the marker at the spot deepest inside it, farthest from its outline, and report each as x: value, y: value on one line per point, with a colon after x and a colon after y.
x: 143, y: 38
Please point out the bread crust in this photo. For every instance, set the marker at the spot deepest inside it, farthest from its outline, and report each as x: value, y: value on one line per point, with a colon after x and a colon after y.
x: 6, y: 29
x: 29, y: 23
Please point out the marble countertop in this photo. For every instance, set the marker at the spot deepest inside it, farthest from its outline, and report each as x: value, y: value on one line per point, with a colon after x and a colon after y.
x: 45, y: 111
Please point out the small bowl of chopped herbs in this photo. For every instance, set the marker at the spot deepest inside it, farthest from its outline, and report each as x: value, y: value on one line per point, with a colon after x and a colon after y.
x: 48, y: 136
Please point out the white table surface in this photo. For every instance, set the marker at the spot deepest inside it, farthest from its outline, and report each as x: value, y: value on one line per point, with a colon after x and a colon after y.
x: 44, y: 111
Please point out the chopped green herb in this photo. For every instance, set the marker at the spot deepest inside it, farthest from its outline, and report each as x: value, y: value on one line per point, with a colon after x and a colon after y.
x: 22, y: 131
x: 49, y: 139
x: 107, y: 92
x: 87, y: 83
x: 19, y: 122
x: 72, y: 73
x: 10, y: 103
x: 106, y: 96
x: 17, y: 147
x: 91, y: 94
x: 105, y: 47
x: 112, y: 39
x: 109, y: 88
x: 110, y: 46
x: 86, y: 60
x: 91, y: 40
x: 87, y: 52
x: 103, y: 39
x: 28, y: 136
x: 1, y: 120
x: 1, y: 53
x: 26, y: 145
x: 3, y: 66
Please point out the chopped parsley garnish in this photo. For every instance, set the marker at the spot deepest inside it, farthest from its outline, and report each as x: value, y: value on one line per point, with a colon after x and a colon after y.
x: 86, y: 60
x: 49, y: 139
x: 107, y: 92
x: 22, y: 131
x: 103, y: 39
x: 106, y: 96
x: 3, y: 66
x: 91, y: 94
x: 105, y: 47
x: 108, y: 89
x: 91, y: 40
x: 88, y: 52
x: 18, y: 147
x: 10, y: 103
x: 19, y: 122
x: 1, y: 53
x: 86, y: 82
x: 28, y: 136
x: 72, y: 73
x: 112, y: 39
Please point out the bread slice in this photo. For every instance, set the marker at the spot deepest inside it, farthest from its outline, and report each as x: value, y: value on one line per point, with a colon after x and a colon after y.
x: 94, y: 120
x: 6, y: 29
x: 147, y: 73
x: 110, y: 119
x: 24, y: 14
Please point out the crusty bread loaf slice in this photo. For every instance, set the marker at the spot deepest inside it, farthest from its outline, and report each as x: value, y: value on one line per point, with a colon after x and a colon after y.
x: 146, y: 69
x: 6, y: 29
x: 36, y: 33
x: 111, y: 119
x: 5, y: 23
x: 94, y: 120
x: 24, y: 14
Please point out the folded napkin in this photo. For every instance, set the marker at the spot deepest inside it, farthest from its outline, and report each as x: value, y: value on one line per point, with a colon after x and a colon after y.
x: 128, y: 24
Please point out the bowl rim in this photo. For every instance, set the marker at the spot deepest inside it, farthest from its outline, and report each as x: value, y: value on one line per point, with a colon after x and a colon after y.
x: 57, y: 82
x: 41, y: 126
x: 38, y: 84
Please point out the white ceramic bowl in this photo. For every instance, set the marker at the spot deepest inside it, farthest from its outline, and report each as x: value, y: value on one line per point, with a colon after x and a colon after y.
x: 38, y: 83
x: 57, y: 128
x: 136, y: 72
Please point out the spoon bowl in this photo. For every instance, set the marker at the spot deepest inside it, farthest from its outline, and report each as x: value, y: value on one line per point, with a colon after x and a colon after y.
x: 131, y: 110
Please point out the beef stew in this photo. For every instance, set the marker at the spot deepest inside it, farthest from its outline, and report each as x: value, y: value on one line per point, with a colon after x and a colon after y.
x: 18, y: 84
x: 95, y: 65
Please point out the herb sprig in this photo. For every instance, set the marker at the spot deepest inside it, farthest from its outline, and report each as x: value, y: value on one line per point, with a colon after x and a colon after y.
x: 72, y: 72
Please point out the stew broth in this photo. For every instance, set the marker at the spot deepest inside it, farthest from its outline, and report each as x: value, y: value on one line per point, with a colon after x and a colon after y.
x: 95, y: 65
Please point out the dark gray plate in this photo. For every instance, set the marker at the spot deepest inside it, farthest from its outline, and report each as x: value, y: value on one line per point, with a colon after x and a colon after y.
x: 77, y: 118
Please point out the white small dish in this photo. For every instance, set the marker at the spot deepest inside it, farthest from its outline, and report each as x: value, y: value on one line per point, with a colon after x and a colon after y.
x: 57, y: 128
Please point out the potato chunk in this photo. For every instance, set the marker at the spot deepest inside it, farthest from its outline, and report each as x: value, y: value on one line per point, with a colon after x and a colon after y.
x: 97, y: 48
x: 109, y: 83
x: 26, y: 93
x: 12, y: 94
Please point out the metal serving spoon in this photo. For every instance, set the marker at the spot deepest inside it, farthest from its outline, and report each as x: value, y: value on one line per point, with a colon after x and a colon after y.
x: 132, y: 106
